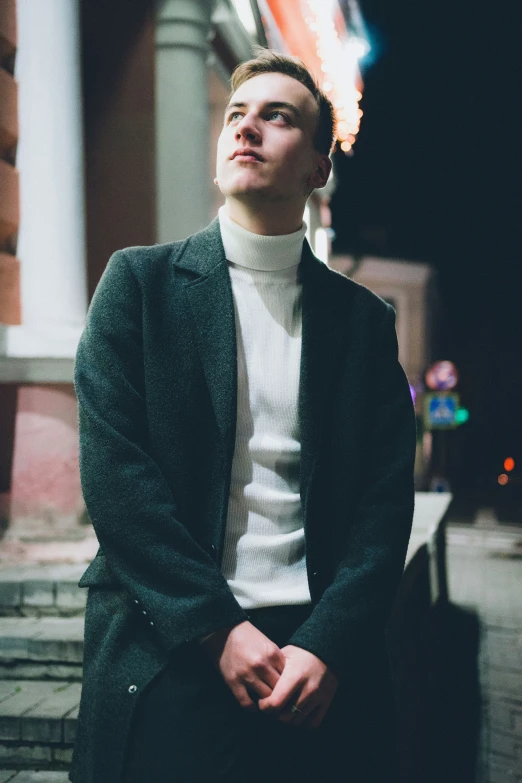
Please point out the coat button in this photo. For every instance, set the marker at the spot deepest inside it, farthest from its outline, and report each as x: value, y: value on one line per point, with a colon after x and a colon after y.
x: 133, y: 688
x: 151, y: 623
x: 144, y: 611
x: 136, y: 601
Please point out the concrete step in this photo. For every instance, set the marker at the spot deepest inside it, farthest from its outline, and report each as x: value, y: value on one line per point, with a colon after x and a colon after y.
x: 42, y: 648
x: 33, y: 776
x: 42, y: 590
x: 37, y: 725
x: 496, y: 539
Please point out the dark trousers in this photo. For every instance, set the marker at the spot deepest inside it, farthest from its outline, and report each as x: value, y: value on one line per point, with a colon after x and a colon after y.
x: 189, y: 728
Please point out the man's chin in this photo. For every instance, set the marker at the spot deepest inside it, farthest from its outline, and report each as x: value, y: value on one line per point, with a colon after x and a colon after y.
x: 250, y: 191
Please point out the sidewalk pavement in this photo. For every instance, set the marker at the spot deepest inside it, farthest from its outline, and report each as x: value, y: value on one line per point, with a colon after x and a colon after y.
x: 485, y: 577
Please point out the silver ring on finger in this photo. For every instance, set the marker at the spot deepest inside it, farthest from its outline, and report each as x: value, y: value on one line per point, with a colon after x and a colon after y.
x: 295, y: 710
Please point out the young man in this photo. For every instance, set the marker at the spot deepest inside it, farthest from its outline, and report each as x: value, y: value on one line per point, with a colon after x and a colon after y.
x: 247, y: 441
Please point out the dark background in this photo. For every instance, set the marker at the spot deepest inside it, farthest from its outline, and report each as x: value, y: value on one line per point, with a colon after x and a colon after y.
x: 435, y: 178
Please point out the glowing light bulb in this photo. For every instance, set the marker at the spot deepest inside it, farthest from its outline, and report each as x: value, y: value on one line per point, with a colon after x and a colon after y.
x: 338, y: 57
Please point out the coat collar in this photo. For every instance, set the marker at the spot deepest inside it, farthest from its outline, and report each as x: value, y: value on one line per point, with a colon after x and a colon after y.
x: 209, y: 292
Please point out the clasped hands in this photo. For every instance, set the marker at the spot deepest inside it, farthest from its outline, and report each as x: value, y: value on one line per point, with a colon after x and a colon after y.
x: 263, y: 676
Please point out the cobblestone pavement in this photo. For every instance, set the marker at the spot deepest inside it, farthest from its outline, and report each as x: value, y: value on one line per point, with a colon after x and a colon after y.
x: 485, y: 576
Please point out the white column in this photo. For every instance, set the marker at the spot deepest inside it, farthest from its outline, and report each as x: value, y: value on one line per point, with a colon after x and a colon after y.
x: 182, y: 118
x: 51, y: 242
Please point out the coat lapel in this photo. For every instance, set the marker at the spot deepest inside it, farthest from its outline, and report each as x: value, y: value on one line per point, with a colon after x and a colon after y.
x: 324, y: 323
x: 211, y: 306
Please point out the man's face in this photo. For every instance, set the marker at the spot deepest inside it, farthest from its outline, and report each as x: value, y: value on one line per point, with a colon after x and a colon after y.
x: 265, y: 149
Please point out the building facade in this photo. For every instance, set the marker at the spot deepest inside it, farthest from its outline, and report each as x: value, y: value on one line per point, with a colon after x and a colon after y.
x: 411, y: 287
x: 109, y: 118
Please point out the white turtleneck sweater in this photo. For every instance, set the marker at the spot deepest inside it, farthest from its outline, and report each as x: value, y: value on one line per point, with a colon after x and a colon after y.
x: 264, y: 552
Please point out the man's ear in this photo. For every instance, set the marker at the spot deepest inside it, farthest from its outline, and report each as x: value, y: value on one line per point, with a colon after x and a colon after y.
x: 320, y: 174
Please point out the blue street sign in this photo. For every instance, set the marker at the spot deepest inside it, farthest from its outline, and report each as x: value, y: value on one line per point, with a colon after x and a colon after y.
x: 440, y: 410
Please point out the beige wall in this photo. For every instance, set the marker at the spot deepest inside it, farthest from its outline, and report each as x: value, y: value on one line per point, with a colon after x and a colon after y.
x: 406, y: 284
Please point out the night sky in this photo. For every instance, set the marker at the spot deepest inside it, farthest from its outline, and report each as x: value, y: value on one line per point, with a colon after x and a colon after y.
x: 435, y: 177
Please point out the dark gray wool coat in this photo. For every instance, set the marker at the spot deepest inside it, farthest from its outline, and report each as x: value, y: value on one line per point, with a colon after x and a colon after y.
x: 155, y: 377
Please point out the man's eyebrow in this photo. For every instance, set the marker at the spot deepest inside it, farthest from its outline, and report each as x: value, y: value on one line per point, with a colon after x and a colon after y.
x: 269, y: 105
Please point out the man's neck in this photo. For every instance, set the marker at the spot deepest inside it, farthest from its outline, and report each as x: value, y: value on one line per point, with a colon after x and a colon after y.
x: 272, y: 221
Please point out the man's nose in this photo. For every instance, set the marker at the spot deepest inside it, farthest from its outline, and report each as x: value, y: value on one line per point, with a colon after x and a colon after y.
x: 247, y: 129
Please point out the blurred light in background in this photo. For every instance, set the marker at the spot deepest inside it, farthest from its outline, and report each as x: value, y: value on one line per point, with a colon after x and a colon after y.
x: 244, y: 11
x: 461, y: 415
x: 339, y: 54
x: 503, y: 479
x: 509, y: 464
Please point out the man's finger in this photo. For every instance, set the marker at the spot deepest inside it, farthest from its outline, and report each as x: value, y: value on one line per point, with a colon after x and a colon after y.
x: 285, y: 689
x: 297, y: 712
x: 316, y: 718
x: 258, y: 689
x: 270, y: 676
x: 242, y: 697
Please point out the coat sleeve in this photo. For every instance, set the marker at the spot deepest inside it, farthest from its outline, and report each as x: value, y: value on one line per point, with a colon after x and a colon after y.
x: 132, y: 508
x: 352, y: 612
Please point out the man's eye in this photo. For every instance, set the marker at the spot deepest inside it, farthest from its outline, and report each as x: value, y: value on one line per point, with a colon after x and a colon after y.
x: 233, y: 115
x: 278, y: 114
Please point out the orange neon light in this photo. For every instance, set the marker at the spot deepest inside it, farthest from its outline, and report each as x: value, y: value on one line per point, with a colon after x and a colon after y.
x: 301, y: 42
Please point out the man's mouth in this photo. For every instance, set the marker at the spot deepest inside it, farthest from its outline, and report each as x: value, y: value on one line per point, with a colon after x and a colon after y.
x: 247, y: 155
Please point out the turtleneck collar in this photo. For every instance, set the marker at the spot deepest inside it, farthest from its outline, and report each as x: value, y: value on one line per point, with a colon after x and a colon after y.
x: 255, y: 251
